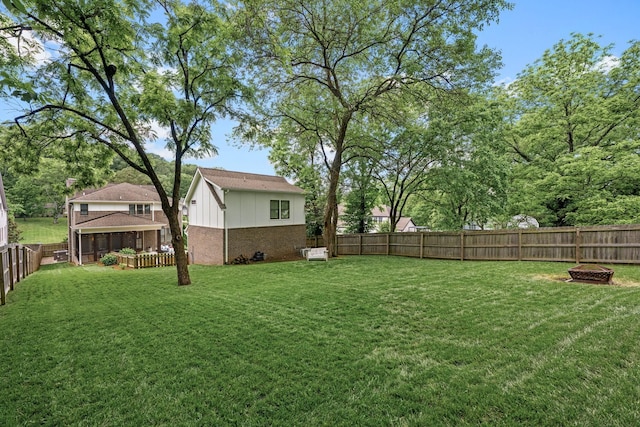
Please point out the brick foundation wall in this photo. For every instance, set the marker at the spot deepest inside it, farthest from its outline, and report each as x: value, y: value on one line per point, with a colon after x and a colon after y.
x: 206, y: 245
x: 276, y: 242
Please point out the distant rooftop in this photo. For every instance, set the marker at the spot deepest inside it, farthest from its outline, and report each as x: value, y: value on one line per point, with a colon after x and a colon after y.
x: 124, y: 192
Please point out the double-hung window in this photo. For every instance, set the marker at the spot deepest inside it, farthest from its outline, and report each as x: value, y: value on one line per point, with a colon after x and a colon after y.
x: 279, y: 209
x: 135, y: 209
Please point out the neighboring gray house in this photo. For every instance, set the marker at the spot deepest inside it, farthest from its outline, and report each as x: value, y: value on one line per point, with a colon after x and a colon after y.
x: 237, y: 213
x: 4, y: 216
x: 379, y: 216
x: 113, y: 217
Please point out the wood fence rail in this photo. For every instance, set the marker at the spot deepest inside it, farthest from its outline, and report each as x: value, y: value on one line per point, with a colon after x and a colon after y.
x: 16, y: 263
x: 49, y: 249
x: 146, y: 260
x: 597, y: 244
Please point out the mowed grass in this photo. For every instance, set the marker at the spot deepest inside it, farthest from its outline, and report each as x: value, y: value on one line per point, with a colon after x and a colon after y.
x: 357, y: 341
x: 42, y: 230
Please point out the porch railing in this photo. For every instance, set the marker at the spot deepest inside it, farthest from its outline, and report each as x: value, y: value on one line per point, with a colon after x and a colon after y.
x: 147, y: 260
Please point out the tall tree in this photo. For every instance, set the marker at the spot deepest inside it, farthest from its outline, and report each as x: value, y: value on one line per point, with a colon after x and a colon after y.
x: 327, y: 68
x: 406, y: 154
x: 115, y: 70
x: 305, y: 167
x: 17, y: 49
x: 575, y: 101
x: 14, y: 232
x: 467, y: 179
x: 26, y: 197
x: 361, y: 196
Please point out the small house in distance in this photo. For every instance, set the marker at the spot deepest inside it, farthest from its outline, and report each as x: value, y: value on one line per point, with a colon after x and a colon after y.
x: 237, y: 213
x: 113, y: 217
x: 379, y: 216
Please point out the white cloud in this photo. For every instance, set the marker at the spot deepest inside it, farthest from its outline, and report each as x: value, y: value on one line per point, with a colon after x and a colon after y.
x: 608, y: 63
x: 157, y: 143
x: 27, y: 45
x: 160, y: 149
x: 159, y: 131
x: 505, y: 81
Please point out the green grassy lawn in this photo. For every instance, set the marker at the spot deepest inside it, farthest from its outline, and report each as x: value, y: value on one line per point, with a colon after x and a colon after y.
x: 42, y: 230
x: 357, y: 341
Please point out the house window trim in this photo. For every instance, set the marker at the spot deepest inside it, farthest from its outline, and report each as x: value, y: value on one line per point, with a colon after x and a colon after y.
x: 139, y: 209
x: 279, y: 209
x: 274, y: 209
x: 285, y: 213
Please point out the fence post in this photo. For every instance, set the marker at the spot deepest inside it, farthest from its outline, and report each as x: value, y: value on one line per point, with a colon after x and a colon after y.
x: 360, y: 244
x: 421, y: 245
x: 519, y: 245
x: 462, y: 246
x: 25, y: 264
x: 29, y: 261
x: 10, y: 261
x: 388, y: 242
x: 578, y: 238
x: 17, y: 262
x: 3, y: 296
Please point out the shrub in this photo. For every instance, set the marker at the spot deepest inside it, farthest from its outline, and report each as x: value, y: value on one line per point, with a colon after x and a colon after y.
x: 109, y: 259
x: 127, y: 251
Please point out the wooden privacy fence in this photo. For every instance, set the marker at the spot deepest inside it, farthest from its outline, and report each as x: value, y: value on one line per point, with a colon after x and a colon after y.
x: 49, y: 249
x: 16, y: 263
x: 598, y: 244
x: 147, y: 260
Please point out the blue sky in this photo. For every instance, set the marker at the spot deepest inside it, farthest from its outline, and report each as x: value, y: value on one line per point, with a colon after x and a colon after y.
x: 522, y: 35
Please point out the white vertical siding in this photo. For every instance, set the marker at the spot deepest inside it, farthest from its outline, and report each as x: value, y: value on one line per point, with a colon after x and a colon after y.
x: 244, y: 209
x: 252, y: 209
x: 205, y: 212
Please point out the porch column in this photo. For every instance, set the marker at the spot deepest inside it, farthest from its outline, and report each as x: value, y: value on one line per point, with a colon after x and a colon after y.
x: 79, y: 247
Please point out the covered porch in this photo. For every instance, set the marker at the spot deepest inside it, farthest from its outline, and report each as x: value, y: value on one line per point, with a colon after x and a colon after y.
x: 93, y: 239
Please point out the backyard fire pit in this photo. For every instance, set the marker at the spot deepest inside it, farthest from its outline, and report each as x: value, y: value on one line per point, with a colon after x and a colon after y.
x: 587, y: 273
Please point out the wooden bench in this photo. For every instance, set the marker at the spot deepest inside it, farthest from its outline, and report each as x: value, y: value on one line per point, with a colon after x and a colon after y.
x: 318, y: 253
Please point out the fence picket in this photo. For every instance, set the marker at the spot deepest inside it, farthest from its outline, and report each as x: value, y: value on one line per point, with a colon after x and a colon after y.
x: 147, y: 260
x: 16, y: 263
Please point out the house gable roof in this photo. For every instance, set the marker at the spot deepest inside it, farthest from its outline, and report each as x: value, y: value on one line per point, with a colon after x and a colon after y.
x: 381, y: 211
x: 242, y: 181
x: 123, y: 192
x: 404, y: 223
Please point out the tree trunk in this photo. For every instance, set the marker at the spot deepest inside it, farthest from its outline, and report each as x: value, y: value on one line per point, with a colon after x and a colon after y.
x: 182, y: 262
x: 331, y: 210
